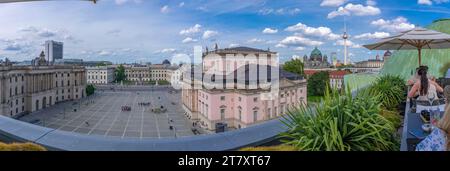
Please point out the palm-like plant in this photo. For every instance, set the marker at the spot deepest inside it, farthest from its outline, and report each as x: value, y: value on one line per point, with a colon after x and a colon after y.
x: 390, y: 90
x: 340, y: 123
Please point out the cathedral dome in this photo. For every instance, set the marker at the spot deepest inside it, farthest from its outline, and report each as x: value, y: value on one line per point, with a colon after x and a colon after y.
x: 166, y: 62
x: 316, y: 55
x: 387, y: 53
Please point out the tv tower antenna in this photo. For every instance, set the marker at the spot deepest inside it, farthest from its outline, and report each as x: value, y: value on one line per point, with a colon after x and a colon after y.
x: 345, y: 37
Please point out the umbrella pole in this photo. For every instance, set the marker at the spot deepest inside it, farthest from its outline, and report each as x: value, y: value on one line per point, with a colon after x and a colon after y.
x: 420, y: 56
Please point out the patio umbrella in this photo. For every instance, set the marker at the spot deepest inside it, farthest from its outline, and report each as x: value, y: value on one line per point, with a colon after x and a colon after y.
x: 417, y: 38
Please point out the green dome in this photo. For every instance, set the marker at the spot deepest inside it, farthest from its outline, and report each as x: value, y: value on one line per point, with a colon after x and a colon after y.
x: 316, y: 54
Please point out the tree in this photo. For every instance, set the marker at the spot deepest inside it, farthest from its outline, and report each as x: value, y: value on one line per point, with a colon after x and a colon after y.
x: 295, y: 66
x: 90, y: 89
x: 120, y: 73
x: 317, y: 83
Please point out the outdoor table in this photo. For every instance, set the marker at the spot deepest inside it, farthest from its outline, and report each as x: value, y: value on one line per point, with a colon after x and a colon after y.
x: 415, y: 122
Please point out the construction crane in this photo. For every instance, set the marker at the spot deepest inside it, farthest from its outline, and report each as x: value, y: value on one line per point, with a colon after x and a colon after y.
x: 11, y: 1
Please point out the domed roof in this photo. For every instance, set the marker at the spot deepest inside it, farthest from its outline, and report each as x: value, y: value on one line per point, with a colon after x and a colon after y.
x: 166, y: 62
x: 388, y: 53
x: 316, y: 54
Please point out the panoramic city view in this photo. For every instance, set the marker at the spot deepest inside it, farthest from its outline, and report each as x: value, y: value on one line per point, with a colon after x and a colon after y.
x: 224, y: 75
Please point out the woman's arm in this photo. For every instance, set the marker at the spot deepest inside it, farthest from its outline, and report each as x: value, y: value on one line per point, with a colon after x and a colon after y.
x: 412, y: 92
x: 438, y: 87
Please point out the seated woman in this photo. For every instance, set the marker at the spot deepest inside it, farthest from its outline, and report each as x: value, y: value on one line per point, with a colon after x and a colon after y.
x: 425, y: 87
x: 438, y: 140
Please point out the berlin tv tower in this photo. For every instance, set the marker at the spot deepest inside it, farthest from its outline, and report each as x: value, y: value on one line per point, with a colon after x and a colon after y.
x: 345, y: 37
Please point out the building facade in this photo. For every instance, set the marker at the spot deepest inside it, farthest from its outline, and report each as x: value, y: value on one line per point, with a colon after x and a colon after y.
x: 53, y: 50
x: 240, y: 104
x: 153, y: 72
x: 100, y: 75
x: 336, y: 77
x: 26, y: 89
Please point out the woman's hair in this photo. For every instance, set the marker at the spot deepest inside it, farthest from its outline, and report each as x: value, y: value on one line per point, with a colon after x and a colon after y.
x: 444, y: 123
x: 424, y: 84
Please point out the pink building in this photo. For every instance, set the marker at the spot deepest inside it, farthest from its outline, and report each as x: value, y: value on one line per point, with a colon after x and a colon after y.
x: 240, y: 87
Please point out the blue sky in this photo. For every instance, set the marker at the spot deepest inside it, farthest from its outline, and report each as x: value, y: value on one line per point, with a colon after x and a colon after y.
x: 152, y: 30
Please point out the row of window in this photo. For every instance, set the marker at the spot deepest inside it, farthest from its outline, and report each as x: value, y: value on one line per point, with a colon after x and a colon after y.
x: 68, y: 83
x: 97, y: 72
x: 15, y: 78
x: 15, y: 91
x: 62, y: 75
x: 96, y: 77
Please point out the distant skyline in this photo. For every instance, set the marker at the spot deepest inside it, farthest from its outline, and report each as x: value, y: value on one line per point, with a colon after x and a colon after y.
x: 151, y: 31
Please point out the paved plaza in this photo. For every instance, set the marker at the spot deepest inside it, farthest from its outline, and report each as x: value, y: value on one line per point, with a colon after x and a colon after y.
x: 101, y: 114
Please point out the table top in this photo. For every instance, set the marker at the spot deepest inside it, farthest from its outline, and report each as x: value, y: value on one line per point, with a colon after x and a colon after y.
x: 415, y: 122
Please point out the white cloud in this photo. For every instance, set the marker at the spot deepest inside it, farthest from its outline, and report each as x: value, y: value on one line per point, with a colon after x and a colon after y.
x: 396, y: 25
x: 279, y: 45
x: 28, y: 29
x: 104, y: 53
x: 349, y: 44
x: 46, y: 33
x: 357, y: 10
x: 279, y: 11
x: 120, y: 2
x: 14, y: 46
x: 425, y: 2
x: 255, y: 40
x: 181, y: 4
x: 114, y: 32
x: 192, y: 30
x: 371, y: 2
x: 299, y: 48
x: 430, y: 2
x: 233, y: 45
x: 165, y: 9
x: 269, y: 31
x: 189, y: 40
x: 41, y: 32
x: 312, y: 31
x: 376, y: 35
x: 167, y: 50
x: 208, y: 34
x: 332, y: 3
x: 298, y: 41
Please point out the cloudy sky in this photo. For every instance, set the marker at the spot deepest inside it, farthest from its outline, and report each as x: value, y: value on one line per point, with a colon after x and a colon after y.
x: 154, y: 30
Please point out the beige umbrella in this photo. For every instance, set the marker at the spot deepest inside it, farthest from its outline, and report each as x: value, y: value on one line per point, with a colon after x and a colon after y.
x: 417, y: 38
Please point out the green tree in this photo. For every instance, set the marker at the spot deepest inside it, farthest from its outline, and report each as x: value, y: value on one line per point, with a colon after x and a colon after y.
x: 120, y: 73
x: 294, y: 66
x: 317, y: 83
x: 90, y: 89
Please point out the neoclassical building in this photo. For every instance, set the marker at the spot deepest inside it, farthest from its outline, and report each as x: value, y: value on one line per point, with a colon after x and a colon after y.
x: 316, y: 60
x: 240, y: 97
x: 151, y: 72
x: 100, y: 75
x: 26, y: 89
